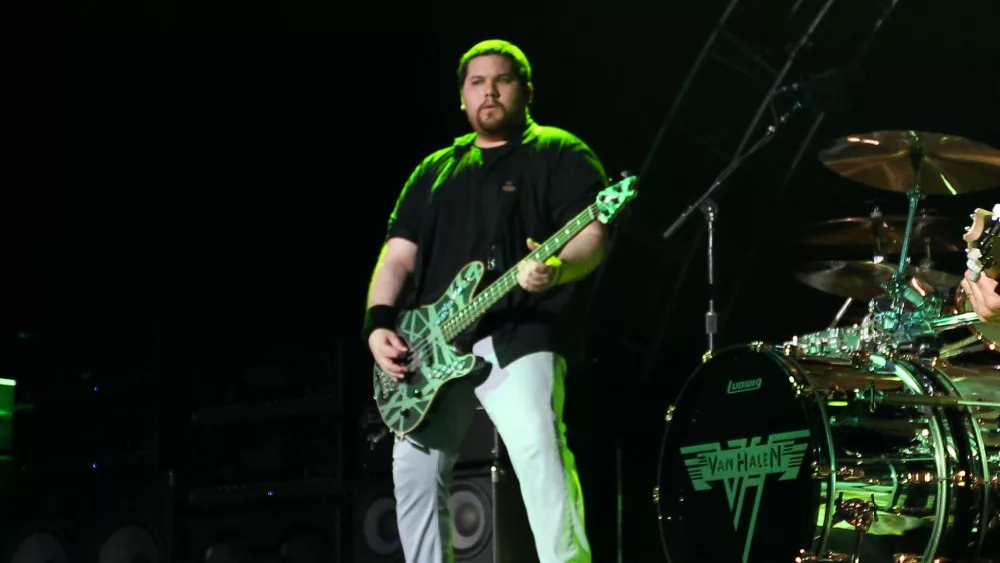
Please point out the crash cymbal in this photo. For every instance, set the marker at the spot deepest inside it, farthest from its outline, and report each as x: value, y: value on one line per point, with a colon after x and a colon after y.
x: 950, y: 165
x: 862, y: 280
x: 885, y: 234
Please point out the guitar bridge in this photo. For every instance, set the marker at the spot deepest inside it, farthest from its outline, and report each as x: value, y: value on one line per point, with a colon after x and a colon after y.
x: 387, y: 385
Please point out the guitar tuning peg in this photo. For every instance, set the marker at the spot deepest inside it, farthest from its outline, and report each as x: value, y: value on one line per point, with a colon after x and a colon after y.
x: 625, y: 174
x: 967, y: 229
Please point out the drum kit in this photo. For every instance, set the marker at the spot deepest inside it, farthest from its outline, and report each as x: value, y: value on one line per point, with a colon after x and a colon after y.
x: 869, y: 440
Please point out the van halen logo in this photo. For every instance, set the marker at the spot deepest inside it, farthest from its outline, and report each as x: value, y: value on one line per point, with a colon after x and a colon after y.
x: 746, y: 463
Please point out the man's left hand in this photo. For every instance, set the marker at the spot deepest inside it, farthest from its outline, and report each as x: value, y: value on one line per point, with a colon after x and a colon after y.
x: 536, y: 277
x: 983, y: 297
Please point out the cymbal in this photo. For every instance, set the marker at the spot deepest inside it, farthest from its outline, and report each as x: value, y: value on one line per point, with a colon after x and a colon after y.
x: 950, y: 165
x: 886, y: 233
x: 862, y: 279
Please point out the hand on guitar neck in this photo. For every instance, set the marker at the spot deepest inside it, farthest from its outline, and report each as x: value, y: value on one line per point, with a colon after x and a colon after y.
x: 983, y: 297
x: 535, y: 276
x: 980, y: 281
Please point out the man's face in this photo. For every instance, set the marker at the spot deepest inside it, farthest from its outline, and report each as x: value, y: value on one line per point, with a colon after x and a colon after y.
x: 493, y: 96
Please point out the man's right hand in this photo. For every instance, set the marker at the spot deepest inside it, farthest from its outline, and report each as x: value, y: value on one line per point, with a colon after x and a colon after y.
x: 388, y: 349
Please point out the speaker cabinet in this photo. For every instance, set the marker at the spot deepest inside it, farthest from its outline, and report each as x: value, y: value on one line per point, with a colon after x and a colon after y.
x: 373, y: 526
x: 98, y: 518
x: 271, y: 530
x: 489, y: 524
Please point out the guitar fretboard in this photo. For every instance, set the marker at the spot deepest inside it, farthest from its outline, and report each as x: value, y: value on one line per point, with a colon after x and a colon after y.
x: 476, y: 308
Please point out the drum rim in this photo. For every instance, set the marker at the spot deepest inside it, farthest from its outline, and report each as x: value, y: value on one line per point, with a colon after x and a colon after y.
x: 963, y: 418
x: 913, y: 368
x: 815, y: 418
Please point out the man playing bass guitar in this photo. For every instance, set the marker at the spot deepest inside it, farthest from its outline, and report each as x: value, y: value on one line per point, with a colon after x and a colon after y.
x: 489, y: 196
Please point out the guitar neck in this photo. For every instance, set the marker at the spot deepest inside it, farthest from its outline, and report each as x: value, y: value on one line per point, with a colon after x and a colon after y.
x: 981, y: 236
x: 508, y: 281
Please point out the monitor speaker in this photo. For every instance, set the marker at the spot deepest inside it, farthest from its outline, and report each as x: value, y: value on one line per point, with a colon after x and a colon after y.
x: 489, y: 524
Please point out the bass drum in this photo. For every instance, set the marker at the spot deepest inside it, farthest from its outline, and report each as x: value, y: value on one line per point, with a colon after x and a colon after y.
x: 772, y: 457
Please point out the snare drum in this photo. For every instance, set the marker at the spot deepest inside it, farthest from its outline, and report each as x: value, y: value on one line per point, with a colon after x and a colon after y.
x: 770, y: 456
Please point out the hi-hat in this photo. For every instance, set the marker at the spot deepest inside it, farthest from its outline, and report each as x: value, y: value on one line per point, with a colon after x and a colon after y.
x: 885, y: 234
x: 949, y: 165
x: 862, y: 280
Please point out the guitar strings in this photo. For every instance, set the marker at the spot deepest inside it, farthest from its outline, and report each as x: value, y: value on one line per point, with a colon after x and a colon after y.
x: 423, y: 344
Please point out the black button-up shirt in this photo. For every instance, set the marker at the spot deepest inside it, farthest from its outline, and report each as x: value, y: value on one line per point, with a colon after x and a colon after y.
x: 464, y: 203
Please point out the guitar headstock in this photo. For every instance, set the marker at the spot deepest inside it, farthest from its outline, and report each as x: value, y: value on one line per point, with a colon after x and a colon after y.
x: 981, y: 252
x: 613, y: 198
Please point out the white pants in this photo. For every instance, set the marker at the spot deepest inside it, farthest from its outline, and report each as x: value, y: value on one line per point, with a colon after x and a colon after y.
x: 525, y: 402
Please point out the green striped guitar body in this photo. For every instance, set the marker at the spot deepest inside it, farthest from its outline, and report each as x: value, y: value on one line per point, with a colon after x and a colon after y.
x: 430, y: 331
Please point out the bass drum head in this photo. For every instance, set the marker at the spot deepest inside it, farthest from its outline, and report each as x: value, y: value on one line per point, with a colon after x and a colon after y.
x: 735, y: 478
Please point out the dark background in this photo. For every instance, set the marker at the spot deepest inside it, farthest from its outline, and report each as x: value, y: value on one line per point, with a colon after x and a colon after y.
x: 205, y: 193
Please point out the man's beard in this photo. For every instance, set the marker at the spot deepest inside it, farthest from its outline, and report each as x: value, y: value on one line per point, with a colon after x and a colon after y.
x: 492, y: 121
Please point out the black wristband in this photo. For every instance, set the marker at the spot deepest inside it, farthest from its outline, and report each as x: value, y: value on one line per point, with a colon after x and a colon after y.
x: 379, y: 316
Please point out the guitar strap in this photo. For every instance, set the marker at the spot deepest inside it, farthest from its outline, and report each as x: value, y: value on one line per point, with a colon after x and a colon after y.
x: 498, y: 246
x: 506, y: 197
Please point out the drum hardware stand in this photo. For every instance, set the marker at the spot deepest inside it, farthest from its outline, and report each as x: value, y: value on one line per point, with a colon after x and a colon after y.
x: 875, y: 397
x: 955, y: 321
x: 966, y: 345
x: 877, y: 258
x: 898, y: 290
x: 840, y: 312
x: 927, y: 263
x: 914, y: 196
x: 872, y: 394
x: 877, y: 235
x: 858, y: 513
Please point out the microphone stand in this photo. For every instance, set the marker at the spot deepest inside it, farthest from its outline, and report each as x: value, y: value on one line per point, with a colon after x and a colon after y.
x: 728, y: 171
x: 710, y: 209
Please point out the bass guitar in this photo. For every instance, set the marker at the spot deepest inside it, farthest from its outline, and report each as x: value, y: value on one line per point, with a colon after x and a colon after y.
x: 979, y: 237
x: 429, y: 331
